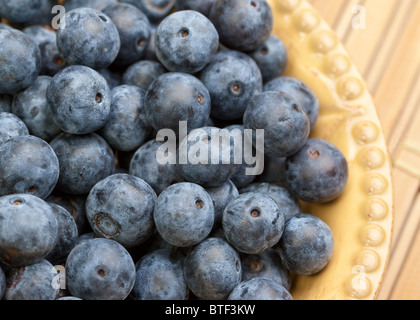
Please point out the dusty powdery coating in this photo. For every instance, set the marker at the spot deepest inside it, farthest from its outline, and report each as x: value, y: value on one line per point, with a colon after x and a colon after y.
x: 142, y: 73
x: 100, y: 269
x: 260, y: 288
x: 20, y: 11
x: 79, y: 99
x: 221, y: 197
x: 94, y: 4
x: 212, y: 269
x: 11, y: 126
x: 28, y: 229
x: 38, y: 281
x: 120, y: 207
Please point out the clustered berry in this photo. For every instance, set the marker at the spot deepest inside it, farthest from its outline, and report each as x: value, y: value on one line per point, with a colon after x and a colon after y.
x: 86, y: 108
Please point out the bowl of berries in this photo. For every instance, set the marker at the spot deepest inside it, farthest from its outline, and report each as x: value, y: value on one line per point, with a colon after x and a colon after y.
x: 186, y: 150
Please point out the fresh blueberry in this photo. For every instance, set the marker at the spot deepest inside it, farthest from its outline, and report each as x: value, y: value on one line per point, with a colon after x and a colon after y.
x: 272, y: 58
x: 202, y: 6
x: 160, y: 276
x: 134, y: 29
x: 28, y: 229
x: 184, y: 214
x: 90, y: 38
x: 318, y: 172
x: 2, y: 283
x: 260, y: 288
x: 32, y: 282
x: 40, y: 33
x: 212, y: 269
x: 174, y: 97
x: 287, y: 203
x: 221, y: 197
x: 79, y: 99
x: 11, y: 126
x: 242, y: 24
x: 253, y: 222
x: 120, y: 207
x: 94, y: 4
x: 186, y: 41
x: 84, y: 161
x: 100, y: 269
x: 300, y: 91
x: 20, y: 11
x: 28, y: 165
x: 20, y: 69
x: 5, y: 102
x: 142, y: 73
x: 155, y: 10
x: 146, y: 164
x: 285, y: 123
x: 232, y: 79
x: 307, y: 244
x: 31, y: 106
x: 67, y: 235
x: 273, y: 171
x: 126, y: 128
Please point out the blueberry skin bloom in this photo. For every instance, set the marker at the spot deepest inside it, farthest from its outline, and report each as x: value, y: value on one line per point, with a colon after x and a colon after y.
x: 175, y: 97
x: 28, y: 165
x: 28, y: 231
x: 160, y: 276
x: 242, y: 24
x: 232, y: 78
x: 221, y: 197
x: 184, y: 214
x: 307, y: 244
x: 155, y: 10
x: 20, y: 69
x: 142, y: 73
x: 100, y: 269
x: 300, y: 91
x: 286, y: 125
x: 212, y: 269
x: 31, y: 106
x: 186, y: 41
x: 89, y: 38
x: 120, y: 207
x: 84, y: 161
x: 20, y: 11
x: 260, y: 288
x: 317, y: 173
x: 253, y: 223
x: 11, y: 126
x: 126, y: 128
x: 79, y: 99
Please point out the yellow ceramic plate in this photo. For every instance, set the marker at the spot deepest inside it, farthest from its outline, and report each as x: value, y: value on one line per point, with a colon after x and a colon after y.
x: 362, y: 217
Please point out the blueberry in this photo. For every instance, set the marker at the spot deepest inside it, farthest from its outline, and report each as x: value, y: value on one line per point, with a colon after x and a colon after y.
x: 307, y: 244
x: 145, y: 164
x: 28, y: 165
x: 134, y: 29
x: 300, y: 91
x: 202, y: 6
x: 273, y: 171
x: 155, y: 10
x: 186, y: 41
x: 79, y: 99
x: 40, y: 33
x: 272, y: 58
x: 120, y: 207
x: 84, y: 161
x: 112, y: 77
x: 32, y: 282
x: 286, y: 125
x: 150, y: 53
x: 209, y: 160
x: 159, y: 276
x: 212, y: 269
x: 318, y: 172
x: 20, y: 11
x: 260, y: 288
x: 69, y: 298
x: 242, y: 24
x: 100, y: 269
x: 142, y: 73
x: 52, y: 60
x: 126, y: 128
x: 253, y: 222
x: 90, y: 38
x: 184, y: 214
x: 2, y: 283
x: 31, y: 106
x: 94, y: 4
x: 232, y: 78
x: 20, y: 69
x: 28, y: 231
x: 267, y: 265
x: 11, y: 126
x: 287, y: 203
x: 174, y: 97
x: 5, y: 102
x: 221, y: 197
x: 67, y: 235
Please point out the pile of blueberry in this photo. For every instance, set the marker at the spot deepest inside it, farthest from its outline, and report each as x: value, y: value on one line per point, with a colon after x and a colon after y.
x: 84, y: 100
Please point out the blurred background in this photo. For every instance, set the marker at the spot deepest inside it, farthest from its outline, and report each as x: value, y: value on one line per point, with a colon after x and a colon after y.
x: 383, y: 38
